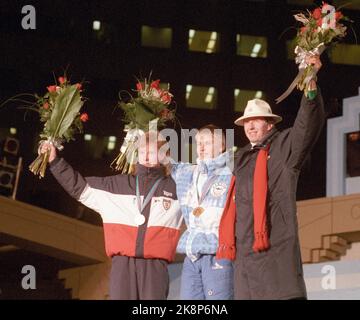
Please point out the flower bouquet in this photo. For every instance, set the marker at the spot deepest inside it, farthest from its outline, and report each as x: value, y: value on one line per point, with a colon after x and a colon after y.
x: 150, y: 109
x: 59, y: 110
x: 319, y: 29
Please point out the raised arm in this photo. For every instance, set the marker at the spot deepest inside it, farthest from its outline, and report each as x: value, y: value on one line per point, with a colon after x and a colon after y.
x: 86, y: 190
x: 72, y: 181
x: 308, y: 124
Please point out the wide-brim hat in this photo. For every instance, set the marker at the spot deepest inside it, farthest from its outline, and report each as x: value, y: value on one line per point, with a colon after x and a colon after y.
x: 257, y: 108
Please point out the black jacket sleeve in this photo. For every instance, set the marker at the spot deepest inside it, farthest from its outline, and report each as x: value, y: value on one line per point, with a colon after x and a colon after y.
x: 86, y: 190
x: 72, y: 181
x: 306, y: 129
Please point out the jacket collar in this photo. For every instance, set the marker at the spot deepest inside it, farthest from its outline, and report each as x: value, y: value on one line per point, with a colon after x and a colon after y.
x: 142, y: 170
x: 266, y: 140
x: 239, y: 156
x: 218, y: 163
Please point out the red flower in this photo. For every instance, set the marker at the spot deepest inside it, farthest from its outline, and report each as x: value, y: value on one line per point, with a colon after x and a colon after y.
x: 79, y: 86
x: 51, y: 88
x: 84, y: 117
x: 46, y: 106
x: 319, y: 22
x: 155, y: 84
x: 303, y: 29
x: 62, y: 80
x: 316, y: 13
x: 139, y: 86
x: 338, y: 15
x: 165, y: 97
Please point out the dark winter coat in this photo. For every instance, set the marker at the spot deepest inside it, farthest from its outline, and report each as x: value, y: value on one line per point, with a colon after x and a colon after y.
x: 276, y: 273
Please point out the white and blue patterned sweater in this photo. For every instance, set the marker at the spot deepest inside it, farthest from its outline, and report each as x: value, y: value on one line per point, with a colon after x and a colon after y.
x: 201, y: 236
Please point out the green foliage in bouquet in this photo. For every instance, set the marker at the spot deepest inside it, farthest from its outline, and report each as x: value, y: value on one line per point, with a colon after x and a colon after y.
x: 150, y: 109
x: 320, y: 29
x: 59, y: 110
x: 322, y: 25
x: 151, y: 103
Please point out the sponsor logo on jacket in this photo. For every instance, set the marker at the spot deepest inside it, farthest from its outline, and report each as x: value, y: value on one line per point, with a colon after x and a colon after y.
x: 166, y: 204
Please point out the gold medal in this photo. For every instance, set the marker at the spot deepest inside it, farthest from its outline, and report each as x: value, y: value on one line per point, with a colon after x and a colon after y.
x: 198, y: 211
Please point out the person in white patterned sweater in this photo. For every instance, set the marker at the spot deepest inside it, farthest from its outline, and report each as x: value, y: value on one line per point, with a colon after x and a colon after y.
x: 202, y: 192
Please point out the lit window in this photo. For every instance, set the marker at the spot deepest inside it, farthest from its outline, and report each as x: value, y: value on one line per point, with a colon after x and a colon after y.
x: 200, y: 97
x: 96, y: 25
x: 251, y: 46
x: 13, y: 131
x: 188, y: 91
x: 87, y: 137
x: 241, y: 97
x: 203, y: 41
x: 156, y: 37
x: 111, y: 143
x: 345, y: 54
x: 104, y: 32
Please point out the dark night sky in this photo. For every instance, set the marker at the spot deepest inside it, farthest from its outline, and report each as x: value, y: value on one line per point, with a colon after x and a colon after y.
x: 64, y: 39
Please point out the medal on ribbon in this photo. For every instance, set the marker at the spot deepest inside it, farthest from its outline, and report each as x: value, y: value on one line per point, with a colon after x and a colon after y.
x: 139, y: 218
x: 199, y: 210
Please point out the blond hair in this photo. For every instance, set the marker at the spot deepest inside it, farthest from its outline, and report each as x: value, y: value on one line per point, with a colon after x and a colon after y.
x: 161, y: 141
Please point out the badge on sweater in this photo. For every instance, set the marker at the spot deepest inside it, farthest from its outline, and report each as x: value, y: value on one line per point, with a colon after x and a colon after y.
x: 166, y: 204
x: 218, y: 189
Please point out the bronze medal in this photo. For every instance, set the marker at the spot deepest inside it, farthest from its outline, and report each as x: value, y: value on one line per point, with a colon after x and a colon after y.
x: 198, y: 211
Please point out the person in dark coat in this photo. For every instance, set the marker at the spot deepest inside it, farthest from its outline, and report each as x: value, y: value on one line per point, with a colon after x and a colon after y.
x: 268, y: 260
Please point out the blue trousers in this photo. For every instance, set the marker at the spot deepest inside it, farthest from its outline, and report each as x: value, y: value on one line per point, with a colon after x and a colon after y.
x: 207, y: 279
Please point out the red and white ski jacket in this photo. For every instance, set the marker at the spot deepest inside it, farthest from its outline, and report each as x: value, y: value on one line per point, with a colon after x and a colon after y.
x: 114, y: 198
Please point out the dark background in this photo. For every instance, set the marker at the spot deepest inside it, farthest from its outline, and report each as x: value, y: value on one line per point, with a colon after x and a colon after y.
x: 108, y: 62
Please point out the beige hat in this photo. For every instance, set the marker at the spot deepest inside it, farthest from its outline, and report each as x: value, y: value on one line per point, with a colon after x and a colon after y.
x: 257, y: 108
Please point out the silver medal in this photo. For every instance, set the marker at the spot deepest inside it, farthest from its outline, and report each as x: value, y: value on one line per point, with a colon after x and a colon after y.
x: 139, y: 219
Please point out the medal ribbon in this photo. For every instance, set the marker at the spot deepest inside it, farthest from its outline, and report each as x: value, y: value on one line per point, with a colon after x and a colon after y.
x: 148, y: 197
x: 205, y: 189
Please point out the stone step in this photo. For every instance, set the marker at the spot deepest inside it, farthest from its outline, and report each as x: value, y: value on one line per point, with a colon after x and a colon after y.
x: 329, y: 254
x: 323, y: 255
x: 336, y: 244
x: 316, y: 256
x: 338, y: 240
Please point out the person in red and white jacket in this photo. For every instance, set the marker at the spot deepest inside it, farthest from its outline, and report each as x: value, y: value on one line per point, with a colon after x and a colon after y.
x: 141, y: 218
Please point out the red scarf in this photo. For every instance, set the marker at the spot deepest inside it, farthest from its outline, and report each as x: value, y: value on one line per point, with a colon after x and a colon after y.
x: 227, y: 249
x: 261, y: 235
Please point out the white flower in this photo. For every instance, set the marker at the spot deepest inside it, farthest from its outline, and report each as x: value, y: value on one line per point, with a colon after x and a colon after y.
x: 155, y: 93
